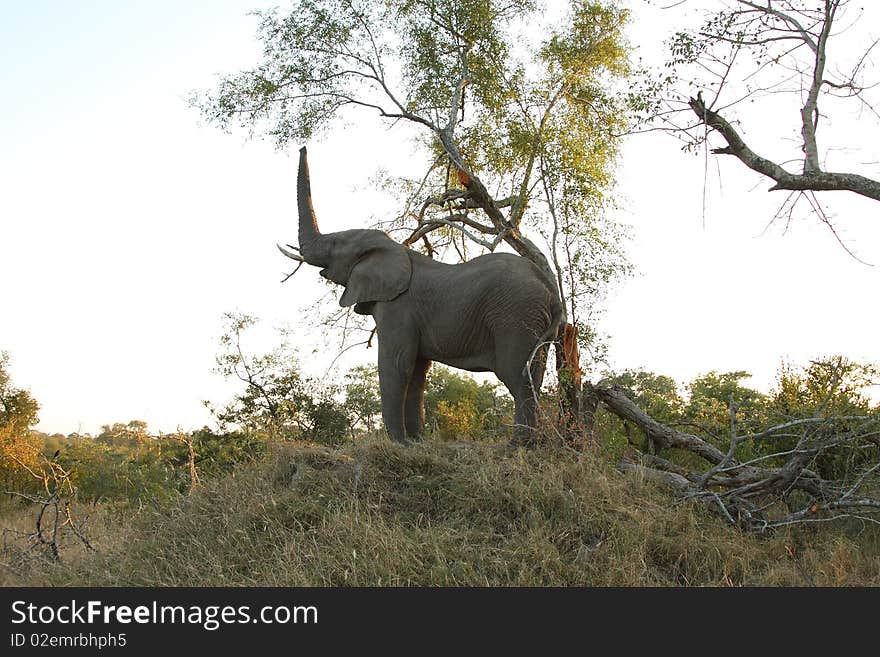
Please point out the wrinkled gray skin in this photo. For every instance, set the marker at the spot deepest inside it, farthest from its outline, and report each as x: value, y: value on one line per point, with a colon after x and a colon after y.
x: 488, y: 314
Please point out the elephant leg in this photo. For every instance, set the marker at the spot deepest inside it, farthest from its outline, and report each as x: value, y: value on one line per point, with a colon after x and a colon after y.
x: 414, y: 409
x: 523, y: 414
x: 531, y: 392
x: 512, y: 373
x: 396, y: 365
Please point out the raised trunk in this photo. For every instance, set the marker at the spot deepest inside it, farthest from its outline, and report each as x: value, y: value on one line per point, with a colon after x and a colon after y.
x: 310, y: 238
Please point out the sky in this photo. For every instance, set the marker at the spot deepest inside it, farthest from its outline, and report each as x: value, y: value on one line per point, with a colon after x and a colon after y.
x: 128, y: 227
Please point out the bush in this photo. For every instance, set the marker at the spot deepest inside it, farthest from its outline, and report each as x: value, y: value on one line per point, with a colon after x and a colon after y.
x: 457, y: 407
x: 117, y: 466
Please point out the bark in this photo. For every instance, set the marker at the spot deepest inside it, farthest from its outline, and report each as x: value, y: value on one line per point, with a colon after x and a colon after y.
x: 619, y: 404
x: 670, y: 479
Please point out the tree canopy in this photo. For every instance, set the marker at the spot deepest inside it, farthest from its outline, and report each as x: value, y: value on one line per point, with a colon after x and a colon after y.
x: 513, y: 97
x: 18, y: 409
x: 18, y: 414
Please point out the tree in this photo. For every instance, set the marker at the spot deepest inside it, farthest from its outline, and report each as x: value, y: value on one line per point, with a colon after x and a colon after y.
x: 277, y: 401
x: 274, y: 393
x: 832, y: 387
x: 714, y: 405
x: 805, y: 390
x: 718, y: 401
x: 18, y: 409
x: 816, y: 52
x: 132, y: 435
x: 205, y: 453
x: 362, y: 397
x: 19, y: 449
x: 499, y: 106
x: 656, y: 394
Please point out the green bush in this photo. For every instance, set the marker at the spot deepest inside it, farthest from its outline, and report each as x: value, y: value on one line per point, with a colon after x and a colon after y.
x: 457, y: 407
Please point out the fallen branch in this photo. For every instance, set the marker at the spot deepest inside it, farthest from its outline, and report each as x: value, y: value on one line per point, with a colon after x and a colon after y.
x: 743, y: 493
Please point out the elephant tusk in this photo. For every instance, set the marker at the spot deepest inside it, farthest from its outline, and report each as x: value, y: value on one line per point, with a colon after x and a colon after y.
x: 290, y: 254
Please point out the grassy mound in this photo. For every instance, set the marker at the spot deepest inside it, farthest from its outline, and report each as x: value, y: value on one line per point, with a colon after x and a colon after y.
x: 450, y: 515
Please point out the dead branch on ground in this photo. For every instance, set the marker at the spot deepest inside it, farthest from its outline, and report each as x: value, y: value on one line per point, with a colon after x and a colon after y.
x: 781, y: 486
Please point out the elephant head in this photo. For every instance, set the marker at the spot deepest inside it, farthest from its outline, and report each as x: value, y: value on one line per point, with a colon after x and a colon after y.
x: 370, y: 265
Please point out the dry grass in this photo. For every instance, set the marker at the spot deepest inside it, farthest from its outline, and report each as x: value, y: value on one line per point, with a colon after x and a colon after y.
x: 446, y: 515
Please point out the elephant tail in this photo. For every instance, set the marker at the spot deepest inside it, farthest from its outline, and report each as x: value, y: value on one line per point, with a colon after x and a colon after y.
x: 556, y: 322
x: 550, y: 334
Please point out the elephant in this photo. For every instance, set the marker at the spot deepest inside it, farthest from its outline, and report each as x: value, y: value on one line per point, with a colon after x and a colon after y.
x: 494, y: 313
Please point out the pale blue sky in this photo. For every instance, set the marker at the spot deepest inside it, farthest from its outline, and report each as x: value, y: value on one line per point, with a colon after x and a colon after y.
x: 128, y: 227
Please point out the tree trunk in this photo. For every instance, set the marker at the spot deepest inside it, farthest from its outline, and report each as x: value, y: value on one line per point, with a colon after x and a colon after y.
x: 570, y: 381
x: 589, y: 406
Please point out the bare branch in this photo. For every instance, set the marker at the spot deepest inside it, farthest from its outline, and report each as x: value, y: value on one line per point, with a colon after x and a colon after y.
x: 815, y: 180
x: 455, y: 222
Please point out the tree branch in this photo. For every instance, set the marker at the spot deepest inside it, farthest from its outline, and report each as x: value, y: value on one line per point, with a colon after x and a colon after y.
x: 815, y: 181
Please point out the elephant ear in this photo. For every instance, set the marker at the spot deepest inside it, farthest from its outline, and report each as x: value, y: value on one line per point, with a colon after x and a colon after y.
x: 381, y: 274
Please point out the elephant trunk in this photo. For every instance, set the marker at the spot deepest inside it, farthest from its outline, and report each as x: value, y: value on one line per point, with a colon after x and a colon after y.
x: 311, y: 242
